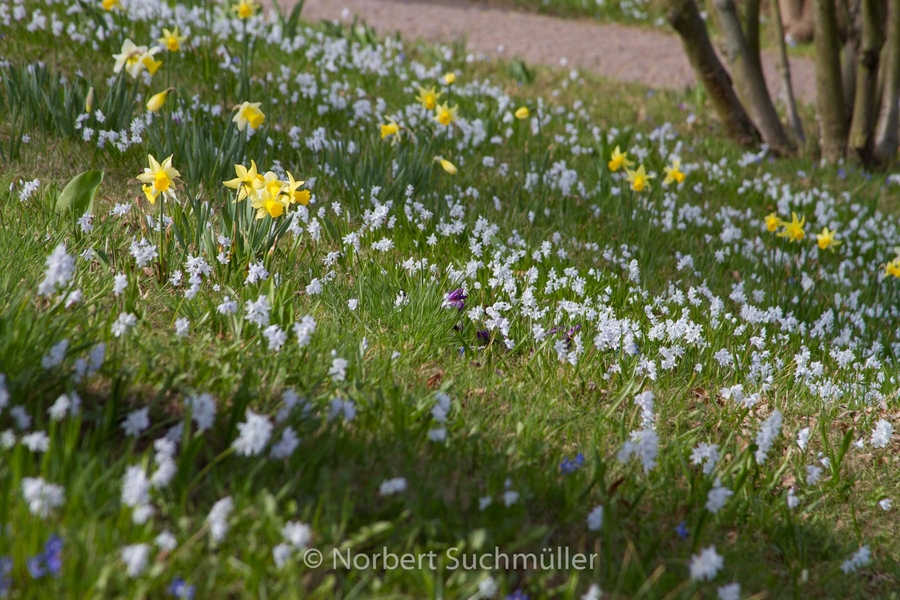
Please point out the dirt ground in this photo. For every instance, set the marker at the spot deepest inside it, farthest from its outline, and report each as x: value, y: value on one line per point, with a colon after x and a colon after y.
x: 650, y: 57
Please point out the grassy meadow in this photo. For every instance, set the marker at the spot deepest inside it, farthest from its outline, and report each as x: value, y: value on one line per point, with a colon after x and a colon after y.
x: 270, y: 289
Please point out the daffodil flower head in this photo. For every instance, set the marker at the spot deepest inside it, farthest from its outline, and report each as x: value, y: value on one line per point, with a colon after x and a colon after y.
x: 793, y: 231
x: 151, y: 64
x: 245, y: 9
x: 450, y: 78
x: 826, y: 240
x: 110, y: 4
x: 618, y: 160
x: 445, y: 115
x: 428, y: 98
x: 773, y: 222
x: 160, y: 177
x: 892, y: 269
x: 149, y: 193
x: 639, y: 179
x: 271, y: 184
x: 129, y: 58
x: 246, y: 183
x: 674, y: 173
x: 522, y: 113
x: 267, y: 204
x: 171, y: 41
x: 294, y: 195
x: 248, y: 113
x: 390, y: 129
x: 448, y: 166
x: 157, y: 101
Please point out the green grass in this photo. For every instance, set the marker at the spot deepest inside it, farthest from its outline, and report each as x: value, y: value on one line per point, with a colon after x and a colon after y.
x: 558, y: 253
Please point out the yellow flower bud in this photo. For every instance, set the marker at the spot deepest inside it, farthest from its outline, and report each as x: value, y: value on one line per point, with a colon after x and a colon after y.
x: 157, y: 101
x: 450, y: 78
x: 522, y: 112
x: 89, y: 101
x: 448, y: 166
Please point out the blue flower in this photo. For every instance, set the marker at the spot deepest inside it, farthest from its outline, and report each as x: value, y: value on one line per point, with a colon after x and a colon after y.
x: 6, y: 565
x: 517, y: 595
x: 180, y: 589
x: 36, y: 566
x: 569, y: 466
x: 682, y: 530
x: 53, y: 555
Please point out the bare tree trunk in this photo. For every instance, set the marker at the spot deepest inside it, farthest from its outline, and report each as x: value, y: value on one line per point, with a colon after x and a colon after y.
x: 848, y: 22
x: 784, y: 69
x: 685, y: 19
x: 864, y: 108
x: 751, y: 31
x: 887, y: 131
x: 748, y: 78
x: 829, y: 94
x: 797, y: 16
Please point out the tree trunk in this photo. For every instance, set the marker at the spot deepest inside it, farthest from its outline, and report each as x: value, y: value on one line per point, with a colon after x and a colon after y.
x: 829, y: 88
x: 751, y: 31
x: 784, y: 69
x: 748, y: 77
x: 685, y: 19
x: 798, y: 21
x: 864, y: 109
x: 887, y: 131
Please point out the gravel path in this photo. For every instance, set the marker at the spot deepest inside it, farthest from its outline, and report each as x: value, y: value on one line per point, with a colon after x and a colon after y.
x: 649, y: 57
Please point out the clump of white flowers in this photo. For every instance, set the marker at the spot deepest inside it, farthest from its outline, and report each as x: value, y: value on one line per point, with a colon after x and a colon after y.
x: 42, y: 497
x: 766, y: 436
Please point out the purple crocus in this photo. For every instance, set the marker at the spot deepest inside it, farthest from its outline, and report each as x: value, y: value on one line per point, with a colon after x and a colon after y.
x: 456, y: 299
x: 180, y: 589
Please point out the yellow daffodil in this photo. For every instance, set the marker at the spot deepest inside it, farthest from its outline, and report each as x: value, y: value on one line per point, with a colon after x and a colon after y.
x: 793, y: 231
x: 826, y: 240
x: 294, y: 195
x: 391, y: 128
x: 522, y: 113
x: 428, y: 98
x: 618, y: 160
x: 892, y: 269
x: 111, y: 4
x: 446, y: 165
x: 266, y: 204
x: 171, y: 41
x: 673, y: 173
x: 246, y: 182
x: 773, y: 222
x: 89, y: 101
x: 639, y: 179
x: 160, y: 177
x: 150, y: 194
x: 450, y: 78
x: 245, y: 9
x: 151, y: 64
x: 445, y: 114
x: 130, y: 58
x: 248, y: 113
x: 157, y: 101
x: 270, y: 184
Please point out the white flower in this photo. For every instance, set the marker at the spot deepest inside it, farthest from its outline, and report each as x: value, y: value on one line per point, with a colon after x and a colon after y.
x: 182, y: 327
x: 60, y: 408
x: 352, y: 303
x: 135, y: 558
x: 38, y: 441
x: 885, y: 504
x: 203, y: 410
x: 644, y: 444
x: 120, y: 282
x: 487, y: 587
x: 881, y: 437
x: 258, y: 312
x: 143, y: 252
x: 803, y: 438
x: 510, y: 497
x: 135, y: 487
x: 42, y: 497
x: 732, y: 591
x: 706, y: 565
x: 339, y: 406
x: 314, y: 287
x: 136, y: 422
x: 218, y: 518
x: 594, y: 593
x: 338, y: 370
x: 717, y: 497
x: 298, y: 534
x: 275, y: 336
x: 21, y: 417
x: 595, y: 518
x: 256, y: 272
x: 281, y: 553
x: 142, y: 513
x: 860, y: 558
x: 125, y: 322
x: 813, y: 473
x: 166, y: 541
x: 228, y: 307
x: 4, y: 392
x: 285, y: 448
x: 766, y: 436
x: 792, y: 499
x: 392, y: 486
x: 56, y: 355
x: 255, y: 434
x: 304, y: 330
x: 60, y: 269
x: 706, y: 454
x: 437, y: 435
